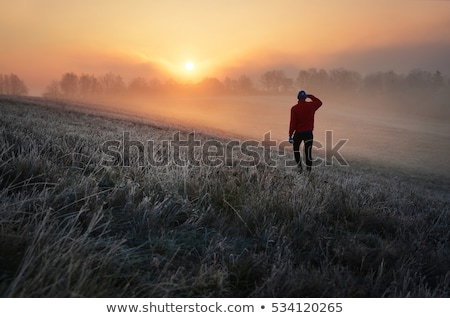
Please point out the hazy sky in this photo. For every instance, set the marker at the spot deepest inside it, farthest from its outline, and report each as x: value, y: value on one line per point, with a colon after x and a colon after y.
x: 42, y: 39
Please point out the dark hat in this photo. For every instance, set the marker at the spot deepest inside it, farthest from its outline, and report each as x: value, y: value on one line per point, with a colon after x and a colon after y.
x: 302, y: 95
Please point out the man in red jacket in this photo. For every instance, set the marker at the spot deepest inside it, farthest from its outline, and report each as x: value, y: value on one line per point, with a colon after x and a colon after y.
x: 302, y: 125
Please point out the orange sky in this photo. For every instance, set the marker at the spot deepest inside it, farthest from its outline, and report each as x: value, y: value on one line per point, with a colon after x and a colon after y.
x: 42, y: 39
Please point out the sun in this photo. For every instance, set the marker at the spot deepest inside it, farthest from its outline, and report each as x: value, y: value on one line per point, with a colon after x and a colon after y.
x: 189, y: 66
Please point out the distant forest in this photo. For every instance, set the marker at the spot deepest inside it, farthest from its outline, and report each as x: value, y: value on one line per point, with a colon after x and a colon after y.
x: 338, y: 82
x: 271, y: 82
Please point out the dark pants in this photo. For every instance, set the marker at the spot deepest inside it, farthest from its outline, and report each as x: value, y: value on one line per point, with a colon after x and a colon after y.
x: 307, y: 138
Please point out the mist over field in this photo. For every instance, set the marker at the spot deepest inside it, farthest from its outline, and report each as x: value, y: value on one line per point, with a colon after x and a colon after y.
x: 396, y: 136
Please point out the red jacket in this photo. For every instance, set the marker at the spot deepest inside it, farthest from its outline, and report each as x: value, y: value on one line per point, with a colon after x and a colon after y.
x: 302, y: 115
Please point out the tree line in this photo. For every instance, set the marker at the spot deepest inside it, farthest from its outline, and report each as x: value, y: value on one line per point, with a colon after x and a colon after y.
x: 338, y: 82
x: 335, y: 82
x: 11, y: 84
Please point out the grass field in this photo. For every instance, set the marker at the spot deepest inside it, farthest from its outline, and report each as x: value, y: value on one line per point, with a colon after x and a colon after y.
x: 71, y: 226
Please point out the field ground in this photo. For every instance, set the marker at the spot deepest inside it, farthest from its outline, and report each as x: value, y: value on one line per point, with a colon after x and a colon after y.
x: 72, y: 226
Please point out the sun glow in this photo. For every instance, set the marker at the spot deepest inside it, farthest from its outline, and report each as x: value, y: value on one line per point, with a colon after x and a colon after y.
x: 189, y: 66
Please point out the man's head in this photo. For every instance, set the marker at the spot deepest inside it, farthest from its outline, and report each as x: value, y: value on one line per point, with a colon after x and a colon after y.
x: 302, y: 95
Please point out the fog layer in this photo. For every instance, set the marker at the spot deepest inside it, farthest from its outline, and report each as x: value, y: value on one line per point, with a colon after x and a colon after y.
x: 375, y: 131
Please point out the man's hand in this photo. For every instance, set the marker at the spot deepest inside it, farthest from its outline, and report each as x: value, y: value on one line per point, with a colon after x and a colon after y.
x: 291, y: 140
